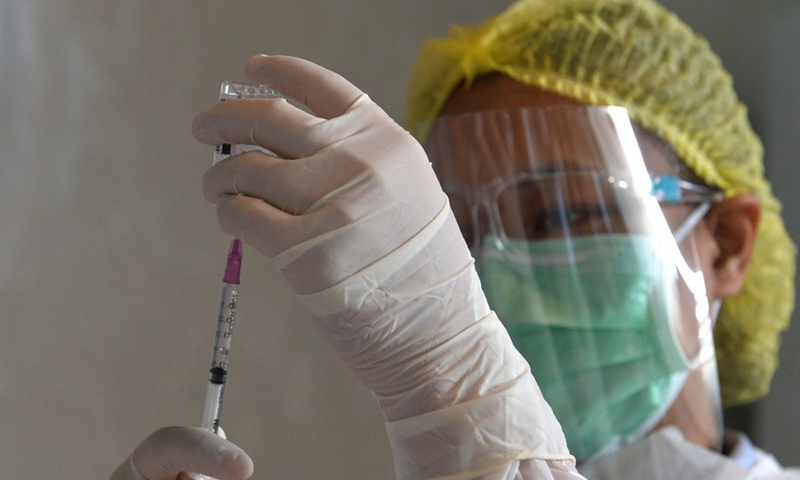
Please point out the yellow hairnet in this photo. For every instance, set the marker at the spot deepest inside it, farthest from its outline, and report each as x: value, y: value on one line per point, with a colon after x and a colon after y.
x: 635, y: 54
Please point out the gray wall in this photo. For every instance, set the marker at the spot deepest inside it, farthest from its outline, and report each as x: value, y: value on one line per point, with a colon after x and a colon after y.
x: 110, y: 260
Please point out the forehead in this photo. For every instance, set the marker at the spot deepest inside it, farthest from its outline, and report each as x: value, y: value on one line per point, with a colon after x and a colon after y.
x: 563, y: 142
x: 495, y: 92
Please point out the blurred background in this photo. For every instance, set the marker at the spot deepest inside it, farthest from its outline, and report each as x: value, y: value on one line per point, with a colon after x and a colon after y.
x: 111, y: 261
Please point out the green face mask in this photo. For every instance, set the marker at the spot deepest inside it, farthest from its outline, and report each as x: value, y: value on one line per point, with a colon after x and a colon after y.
x: 592, y: 317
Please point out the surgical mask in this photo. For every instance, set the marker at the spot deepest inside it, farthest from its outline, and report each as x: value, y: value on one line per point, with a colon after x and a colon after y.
x: 591, y: 315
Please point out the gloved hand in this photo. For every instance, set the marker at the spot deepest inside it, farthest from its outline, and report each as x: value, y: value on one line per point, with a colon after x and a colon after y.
x: 173, y: 453
x: 358, y: 185
x: 350, y: 211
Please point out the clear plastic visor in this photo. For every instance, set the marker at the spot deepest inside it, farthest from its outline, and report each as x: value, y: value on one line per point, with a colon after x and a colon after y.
x: 580, y: 223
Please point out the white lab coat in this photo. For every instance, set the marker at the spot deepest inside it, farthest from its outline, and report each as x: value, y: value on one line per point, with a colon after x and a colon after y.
x: 666, y: 455
x: 663, y: 455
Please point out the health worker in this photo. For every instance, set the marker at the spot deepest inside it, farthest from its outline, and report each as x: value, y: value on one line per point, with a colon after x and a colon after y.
x: 611, y: 189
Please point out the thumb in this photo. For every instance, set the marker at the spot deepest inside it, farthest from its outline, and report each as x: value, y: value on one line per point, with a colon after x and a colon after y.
x: 172, y: 450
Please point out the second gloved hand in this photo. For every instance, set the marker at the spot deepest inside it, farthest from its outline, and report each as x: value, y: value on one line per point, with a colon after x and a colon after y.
x: 181, y: 453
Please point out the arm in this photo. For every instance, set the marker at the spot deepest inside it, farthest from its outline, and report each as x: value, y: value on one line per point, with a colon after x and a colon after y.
x: 350, y: 211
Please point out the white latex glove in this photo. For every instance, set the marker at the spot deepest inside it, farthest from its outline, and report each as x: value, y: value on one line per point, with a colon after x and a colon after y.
x: 351, y: 212
x: 171, y: 452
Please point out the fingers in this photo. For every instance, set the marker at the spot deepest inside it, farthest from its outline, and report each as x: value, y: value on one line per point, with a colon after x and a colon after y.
x: 270, y: 123
x: 326, y: 93
x: 257, y: 223
x: 291, y: 186
x: 274, y: 123
x: 171, y: 450
x: 258, y: 175
x: 261, y: 198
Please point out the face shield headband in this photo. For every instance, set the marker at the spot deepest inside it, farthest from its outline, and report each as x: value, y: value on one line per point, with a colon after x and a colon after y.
x: 580, y: 225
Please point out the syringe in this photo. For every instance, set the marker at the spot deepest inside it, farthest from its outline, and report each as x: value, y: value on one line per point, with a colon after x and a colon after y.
x: 215, y: 390
x: 227, y: 308
x: 222, y: 341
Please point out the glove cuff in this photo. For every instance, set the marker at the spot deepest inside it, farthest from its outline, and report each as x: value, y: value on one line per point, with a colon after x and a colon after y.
x: 479, y: 436
x: 367, y: 286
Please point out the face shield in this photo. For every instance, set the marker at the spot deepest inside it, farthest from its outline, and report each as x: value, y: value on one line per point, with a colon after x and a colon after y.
x: 580, y: 225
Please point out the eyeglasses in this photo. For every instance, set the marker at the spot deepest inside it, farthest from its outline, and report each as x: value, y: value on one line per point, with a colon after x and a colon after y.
x: 672, y: 190
x: 538, y: 205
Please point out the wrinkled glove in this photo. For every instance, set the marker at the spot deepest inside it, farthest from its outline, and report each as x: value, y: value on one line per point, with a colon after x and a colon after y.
x: 178, y: 453
x: 350, y: 211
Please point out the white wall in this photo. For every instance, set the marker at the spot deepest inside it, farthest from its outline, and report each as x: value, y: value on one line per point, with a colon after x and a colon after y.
x: 110, y: 260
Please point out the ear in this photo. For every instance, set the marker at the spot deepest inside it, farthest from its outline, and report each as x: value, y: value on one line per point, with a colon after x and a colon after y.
x: 733, y: 223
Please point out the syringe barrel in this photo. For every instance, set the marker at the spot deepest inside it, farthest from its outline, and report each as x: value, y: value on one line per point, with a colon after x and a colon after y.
x: 225, y: 322
x: 213, y: 404
x: 219, y: 360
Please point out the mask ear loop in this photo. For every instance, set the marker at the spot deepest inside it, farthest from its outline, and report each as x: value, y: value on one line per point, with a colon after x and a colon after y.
x: 715, y: 307
x: 691, y: 221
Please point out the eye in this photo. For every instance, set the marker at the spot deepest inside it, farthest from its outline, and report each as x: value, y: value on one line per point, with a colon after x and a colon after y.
x: 575, y: 219
x: 548, y: 212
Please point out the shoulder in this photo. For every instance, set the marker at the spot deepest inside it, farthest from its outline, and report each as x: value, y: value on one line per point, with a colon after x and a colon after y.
x: 761, y: 464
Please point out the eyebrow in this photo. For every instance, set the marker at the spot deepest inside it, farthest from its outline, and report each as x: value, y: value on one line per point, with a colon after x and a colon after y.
x: 565, y: 167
